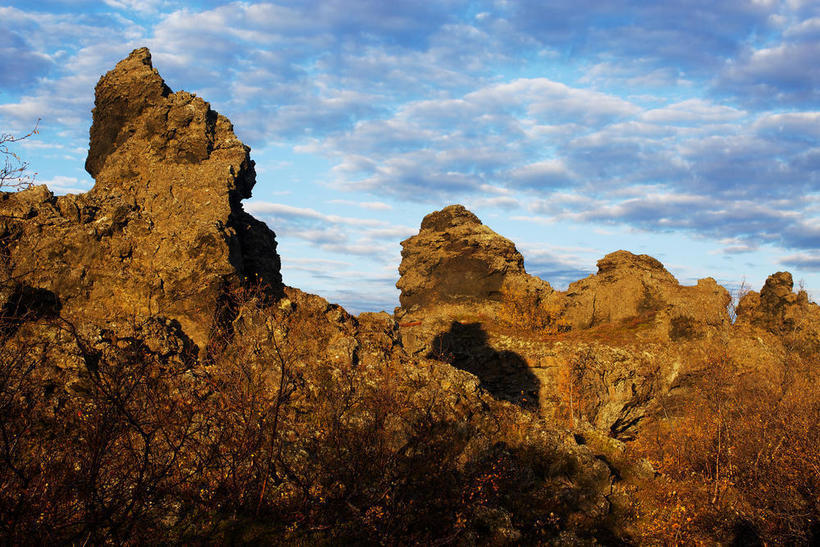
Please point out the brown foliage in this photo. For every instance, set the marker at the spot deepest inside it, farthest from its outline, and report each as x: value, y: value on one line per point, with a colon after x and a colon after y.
x: 260, y: 443
x: 95, y: 460
x: 743, y: 462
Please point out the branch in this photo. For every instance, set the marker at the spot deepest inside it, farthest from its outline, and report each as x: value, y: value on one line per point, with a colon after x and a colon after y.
x: 13, y: 167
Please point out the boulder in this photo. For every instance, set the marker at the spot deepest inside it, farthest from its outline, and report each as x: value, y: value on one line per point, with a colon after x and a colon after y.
x: 459, y: 279
x: 779, y: 310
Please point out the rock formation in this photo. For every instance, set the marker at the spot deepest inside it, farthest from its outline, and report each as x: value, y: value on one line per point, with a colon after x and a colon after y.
x: 142, y: 273
x: 629, y: 285
x: 456, y: 262
x: 777, y: 309
x: 629, y: 341
x: 457, y: 275
x: 456, y: 259
x: 163, y: 231
x: 108, y: 299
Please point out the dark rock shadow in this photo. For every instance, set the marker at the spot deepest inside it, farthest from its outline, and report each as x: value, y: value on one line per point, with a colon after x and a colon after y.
x: 746, y: 535
x: 260, y: 262
x: 504, y: 374
x: 27, y: 303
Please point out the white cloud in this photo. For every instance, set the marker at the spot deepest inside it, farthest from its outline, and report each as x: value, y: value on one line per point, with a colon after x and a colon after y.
x: 288, y: 211
x: 371, y: 205
x: 792, y: 125
x: 66, y: 185
x: 542, y: 174
x: 140, y: 6
x: 501, y: 202
x: 693, y: 111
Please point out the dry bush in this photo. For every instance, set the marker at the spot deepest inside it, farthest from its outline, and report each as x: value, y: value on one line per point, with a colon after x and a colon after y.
x: 373, y: 454
x: 13, y: 169
x: 742, y: 463
x: 100, y: 458
x: 261, y: 442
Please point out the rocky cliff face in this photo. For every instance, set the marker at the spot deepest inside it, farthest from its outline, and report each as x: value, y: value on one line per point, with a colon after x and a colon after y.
x: 125, y: 286
x: 777, y: 309
x: 476, y: 372
x: 163, y: 231
x: 457, y: 275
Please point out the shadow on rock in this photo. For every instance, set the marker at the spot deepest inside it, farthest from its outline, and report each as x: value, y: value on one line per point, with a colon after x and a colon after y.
x: 503, y: 373
x: 27, y: 303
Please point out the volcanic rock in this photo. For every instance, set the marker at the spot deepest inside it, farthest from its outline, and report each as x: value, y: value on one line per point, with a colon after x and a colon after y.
x: 163, y: 231
x: 457, y: 259
x: 628, y: 286
x: 330, y: 351
x: 777, y: 309
x: 617, y: 340
x: 457, y: 277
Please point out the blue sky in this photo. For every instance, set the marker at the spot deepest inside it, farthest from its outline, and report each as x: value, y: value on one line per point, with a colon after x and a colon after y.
x: 687, y: 130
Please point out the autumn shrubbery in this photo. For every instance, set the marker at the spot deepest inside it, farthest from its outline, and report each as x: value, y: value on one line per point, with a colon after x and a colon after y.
x: 136, y: 438
x: 97, y: 456
x: 742, y: 463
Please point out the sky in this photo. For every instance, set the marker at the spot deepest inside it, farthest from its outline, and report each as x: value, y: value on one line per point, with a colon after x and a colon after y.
x: 686, y: 130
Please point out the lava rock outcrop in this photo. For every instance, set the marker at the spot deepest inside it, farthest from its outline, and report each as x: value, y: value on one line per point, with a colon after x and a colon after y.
x: 779, y: 310
x: 163, y: 231
x: 457, y: 259
x: 108, y: 299
x: 457, y: 275
x: 620, y: 340
x: 629, y: 285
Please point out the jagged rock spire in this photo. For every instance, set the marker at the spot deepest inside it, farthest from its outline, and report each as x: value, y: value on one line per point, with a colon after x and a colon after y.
x: 163, y: 231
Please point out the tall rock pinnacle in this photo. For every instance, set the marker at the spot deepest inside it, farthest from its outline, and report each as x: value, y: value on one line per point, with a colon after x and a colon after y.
x: 163, y: 231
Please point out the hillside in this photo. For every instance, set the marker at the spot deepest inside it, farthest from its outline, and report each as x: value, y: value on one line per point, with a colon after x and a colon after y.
x: 160, y: 384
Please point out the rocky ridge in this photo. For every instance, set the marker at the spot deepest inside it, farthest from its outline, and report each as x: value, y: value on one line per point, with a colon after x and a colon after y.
x: 159, y: 268
x: 777, y: 309
x: 629, y: 285
x: 456, y: 259
x: 630, y: 339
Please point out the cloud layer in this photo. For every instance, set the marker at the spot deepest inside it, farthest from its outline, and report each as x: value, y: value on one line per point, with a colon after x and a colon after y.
x: 692, y: 118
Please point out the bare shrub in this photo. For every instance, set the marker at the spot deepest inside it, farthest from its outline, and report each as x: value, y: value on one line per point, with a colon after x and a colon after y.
x: 13, y: 170
x: 101, y: 457
x: 136, y: 439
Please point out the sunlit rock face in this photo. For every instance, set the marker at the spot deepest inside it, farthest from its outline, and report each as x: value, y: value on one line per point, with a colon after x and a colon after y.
x: 457, y: 259
x: 779, y: 310
x: 163, y: 231
x: 617, y: 339
x: 629, y: 285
